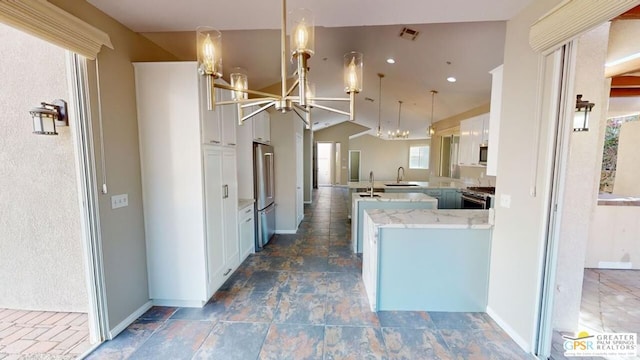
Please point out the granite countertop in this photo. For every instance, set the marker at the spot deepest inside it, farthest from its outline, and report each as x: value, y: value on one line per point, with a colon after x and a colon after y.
x: 427, y: 218
x: 243, y: 203
x: 411, y: 185
x: 407, y: 197
x: 618, y: 200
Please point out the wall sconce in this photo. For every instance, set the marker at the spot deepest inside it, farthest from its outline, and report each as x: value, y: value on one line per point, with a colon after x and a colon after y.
x: 47, y: 116
x: 581, y: 117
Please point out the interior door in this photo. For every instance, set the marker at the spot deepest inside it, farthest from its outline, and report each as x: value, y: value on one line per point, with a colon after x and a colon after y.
x: 354, y: 165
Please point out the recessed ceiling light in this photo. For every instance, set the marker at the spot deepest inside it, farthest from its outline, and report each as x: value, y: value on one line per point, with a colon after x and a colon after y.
x: 451, y: 79
x: 391, y: 61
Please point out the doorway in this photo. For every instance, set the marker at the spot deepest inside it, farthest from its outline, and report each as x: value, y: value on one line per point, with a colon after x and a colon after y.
x: 325, y: 163
x: 585, y: 291
x: 50, y: 265
x: 354, y: 165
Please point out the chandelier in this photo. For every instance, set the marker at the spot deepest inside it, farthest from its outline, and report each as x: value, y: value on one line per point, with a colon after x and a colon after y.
x: 379, y: 132
x: 399, y: 134
x: 209, y: 47
x: 430, y: 129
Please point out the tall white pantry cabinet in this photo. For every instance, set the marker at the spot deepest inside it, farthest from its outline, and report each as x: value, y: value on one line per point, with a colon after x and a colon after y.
x: 189, y: 184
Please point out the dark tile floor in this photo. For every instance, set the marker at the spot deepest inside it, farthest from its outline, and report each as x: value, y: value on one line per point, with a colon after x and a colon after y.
x: 303, y: 298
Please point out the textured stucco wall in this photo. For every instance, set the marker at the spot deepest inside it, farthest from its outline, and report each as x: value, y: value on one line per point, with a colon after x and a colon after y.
x: 582, y: 177
x: 41, y: 265
x: 627, y: 173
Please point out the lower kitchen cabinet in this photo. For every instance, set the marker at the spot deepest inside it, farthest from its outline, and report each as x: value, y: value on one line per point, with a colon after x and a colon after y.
x: 435, y: 193
x: 246, y: 231
x: 450, y: 199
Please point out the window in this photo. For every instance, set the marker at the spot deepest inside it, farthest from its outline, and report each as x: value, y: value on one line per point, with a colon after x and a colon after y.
x: 419, y: 157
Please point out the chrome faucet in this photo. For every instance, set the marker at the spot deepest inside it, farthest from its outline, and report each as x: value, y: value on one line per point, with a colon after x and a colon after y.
x: 400, y: 177
x: 371, y: 181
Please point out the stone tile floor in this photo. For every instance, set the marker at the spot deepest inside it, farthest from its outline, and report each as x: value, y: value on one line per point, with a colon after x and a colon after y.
x: 30, y: 334
x: 302, y: 297
x: 610, y: 303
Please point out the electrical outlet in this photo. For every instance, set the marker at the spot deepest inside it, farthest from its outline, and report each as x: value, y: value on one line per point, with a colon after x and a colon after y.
x: 118, y: 201
x: 505, y: 201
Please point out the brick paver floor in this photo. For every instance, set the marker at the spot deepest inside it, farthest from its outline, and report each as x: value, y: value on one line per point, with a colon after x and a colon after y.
x: 25, y: 333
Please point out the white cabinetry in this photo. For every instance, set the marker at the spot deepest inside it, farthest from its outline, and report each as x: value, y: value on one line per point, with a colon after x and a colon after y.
x: 189, y: 189
x: 261, y: 126
x: 473, y: 133
x: 219, y: 125
x: 221, y: 208
x: 246, y: 231
x: 494, y: 120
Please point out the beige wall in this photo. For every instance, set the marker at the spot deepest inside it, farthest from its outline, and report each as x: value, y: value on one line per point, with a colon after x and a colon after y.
x: 383, y: 157
x: 122, y: 229
x: 582, y: 179
x: 41, y: 256
x: 308, y: 165
x: 613, y: 236
x: 517, y: 240
x: 340, y: 134
x: 627, y: 181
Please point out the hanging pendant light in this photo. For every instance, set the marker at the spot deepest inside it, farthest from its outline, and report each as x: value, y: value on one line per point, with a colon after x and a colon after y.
x: 430, y: 129
x: 302, y: 41
x: 379, y: 132
x: 399, y: 134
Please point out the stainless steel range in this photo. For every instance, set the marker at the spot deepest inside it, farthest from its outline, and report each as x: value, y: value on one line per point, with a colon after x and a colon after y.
x: 477, y: 197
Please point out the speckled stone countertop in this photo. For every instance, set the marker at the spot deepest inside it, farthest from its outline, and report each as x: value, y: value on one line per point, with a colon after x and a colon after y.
x: 407, y: 197
x: 408, y: 185
x: 243, y: 203
x: 618, y: 200
x: 426, y: 218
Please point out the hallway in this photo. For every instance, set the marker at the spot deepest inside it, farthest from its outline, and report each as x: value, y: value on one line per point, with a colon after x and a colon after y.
x: 303, y: 298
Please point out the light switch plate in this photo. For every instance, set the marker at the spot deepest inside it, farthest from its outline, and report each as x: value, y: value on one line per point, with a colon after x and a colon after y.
x: 505, y: 201
x: 118, y: 201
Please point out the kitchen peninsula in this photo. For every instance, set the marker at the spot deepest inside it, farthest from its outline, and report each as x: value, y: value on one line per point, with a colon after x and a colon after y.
x: 426, y: 260
x: 363, y: 201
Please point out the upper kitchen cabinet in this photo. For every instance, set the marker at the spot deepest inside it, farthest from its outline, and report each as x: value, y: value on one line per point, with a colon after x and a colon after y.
x: 473, y: 132
x: 261, y: 126
x: 218, y: 125
x: 494, y: 120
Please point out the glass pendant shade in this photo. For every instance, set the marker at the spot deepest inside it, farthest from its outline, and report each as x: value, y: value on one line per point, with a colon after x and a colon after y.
x: 352, y: 72
x: 209, y: 46
x: 302, y: 36
x: 239, y: 81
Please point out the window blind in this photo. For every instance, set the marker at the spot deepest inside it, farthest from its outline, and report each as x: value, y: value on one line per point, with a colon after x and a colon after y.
x: 48, y: 22
x: 573, y: 17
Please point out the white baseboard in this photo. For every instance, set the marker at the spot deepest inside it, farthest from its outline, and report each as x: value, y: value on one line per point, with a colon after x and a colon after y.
x: 179, y: 303
x: 308, y: 202
x: 509, y: 330
x: 129, y: 320
x: 615, y: 265
x: 286, y: 231
x: 340, y: 185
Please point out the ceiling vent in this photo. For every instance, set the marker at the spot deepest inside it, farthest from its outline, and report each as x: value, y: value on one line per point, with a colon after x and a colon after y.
x: 409, y: 34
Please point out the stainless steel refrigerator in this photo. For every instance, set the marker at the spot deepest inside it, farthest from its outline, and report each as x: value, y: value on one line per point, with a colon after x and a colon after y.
x: 264, y: 191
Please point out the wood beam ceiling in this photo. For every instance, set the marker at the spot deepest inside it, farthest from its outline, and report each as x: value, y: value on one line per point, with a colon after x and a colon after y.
x: 625, y: 86
x: 633, y: 14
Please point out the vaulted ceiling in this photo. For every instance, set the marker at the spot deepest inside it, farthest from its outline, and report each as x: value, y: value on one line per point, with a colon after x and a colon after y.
x: 458, y: 38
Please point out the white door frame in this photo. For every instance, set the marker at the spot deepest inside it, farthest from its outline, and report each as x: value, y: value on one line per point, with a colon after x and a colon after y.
x: 559, y: 130
x: 88, y: 197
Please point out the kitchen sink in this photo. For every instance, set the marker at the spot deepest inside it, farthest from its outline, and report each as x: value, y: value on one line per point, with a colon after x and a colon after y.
x: 400, y: 184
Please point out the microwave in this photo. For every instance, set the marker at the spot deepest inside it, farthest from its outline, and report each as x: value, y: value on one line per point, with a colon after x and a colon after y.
x: 484, y: 152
